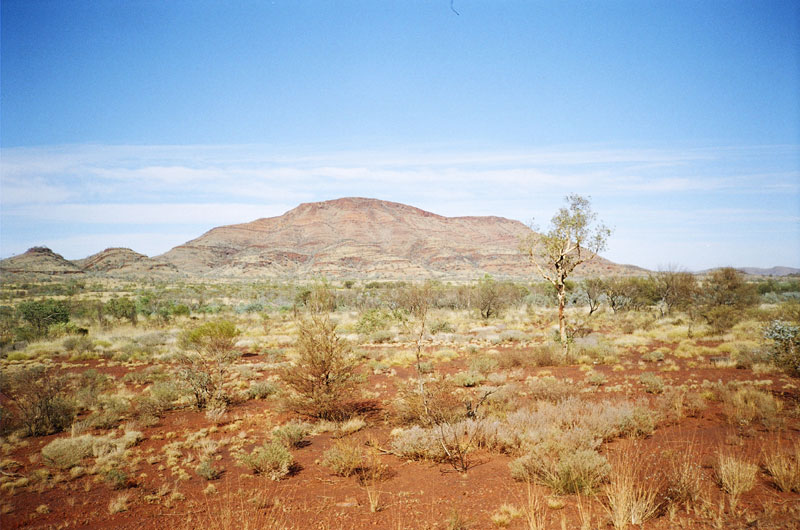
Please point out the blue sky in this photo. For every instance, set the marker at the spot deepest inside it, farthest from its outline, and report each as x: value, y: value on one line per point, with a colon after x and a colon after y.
x: 145, y: 123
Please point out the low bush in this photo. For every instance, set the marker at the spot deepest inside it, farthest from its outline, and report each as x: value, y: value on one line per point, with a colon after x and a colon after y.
x: 417, y: 443
x: 65, y: 453
x: 566, y: 472
x: 551, y: 388
x: 262, y: 389
x: 344, y: 459
x: 43, y: 400
x: 272, y: 459
x: 468, y: 379
x: 652, y: 383
x: 292, y: 434
x: 207, y: 470
x: 747, y: 405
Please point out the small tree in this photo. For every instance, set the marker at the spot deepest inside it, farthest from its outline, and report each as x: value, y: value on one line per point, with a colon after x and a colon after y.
x: 488, y: 297
x: 122, y: 308
x: 674, y: 289
x: 208, y: 361
x: 591, y: 290
x: 41, y: 314
x: 323, y: 376
x: 573, y: 238
x: 724, y: 297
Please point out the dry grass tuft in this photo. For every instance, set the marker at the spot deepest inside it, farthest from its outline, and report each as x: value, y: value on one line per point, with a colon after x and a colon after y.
x: 784, y: 467
x: 735, y: 476
x: 635, y: 493
x: 119, y: 503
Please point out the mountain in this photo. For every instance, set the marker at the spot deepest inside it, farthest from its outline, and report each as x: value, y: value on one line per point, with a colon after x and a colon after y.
x: 759, y: 271
x: 39, y: 260
x: 358, y: 237
x: 772, y: 271
x: 123, y: 261
x: 344, y: 238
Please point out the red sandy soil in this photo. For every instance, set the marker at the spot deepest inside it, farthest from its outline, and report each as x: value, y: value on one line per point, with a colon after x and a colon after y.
x: 414, y: 494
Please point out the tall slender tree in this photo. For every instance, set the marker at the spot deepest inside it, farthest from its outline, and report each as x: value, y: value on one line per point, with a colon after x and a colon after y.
x: 574, y: 237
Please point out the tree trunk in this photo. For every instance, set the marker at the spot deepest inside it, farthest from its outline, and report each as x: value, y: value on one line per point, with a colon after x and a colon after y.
x: 562, y: 325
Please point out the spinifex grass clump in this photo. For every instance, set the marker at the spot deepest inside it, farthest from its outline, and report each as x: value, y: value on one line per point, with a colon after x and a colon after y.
x: 735, y: 476
x: 783, y: 465
x: 272, y: 459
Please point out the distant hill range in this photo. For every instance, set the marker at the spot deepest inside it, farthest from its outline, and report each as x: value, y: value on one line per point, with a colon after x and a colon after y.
x: 758, y: 271
x: 343, y: 238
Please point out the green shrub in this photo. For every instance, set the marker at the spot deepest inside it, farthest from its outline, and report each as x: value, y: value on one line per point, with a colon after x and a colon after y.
x: 292, y: 434
x: 373, y: 320
x: 272, y: 459
x: 117, y: 478
x: 207, y: 470
x: 323, y: 378
x: 652, y: 383
x: 78, y: 345
x: 62, y: 328
x: 344, y: 459
x: 208, y: 363
x: 785, y: 350
x: 468, y: 379
x: 43, y: 400
x: 41, y: 314
x: 442, y: 326
x: 261, y: 389
x: 653, y: 356
x: 570, y: 472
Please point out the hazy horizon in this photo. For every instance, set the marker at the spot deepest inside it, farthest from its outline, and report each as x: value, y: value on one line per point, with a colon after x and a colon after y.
x: 144, y: 124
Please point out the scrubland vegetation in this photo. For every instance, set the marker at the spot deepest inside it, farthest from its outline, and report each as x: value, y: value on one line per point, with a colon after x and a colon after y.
x: 670, y: 401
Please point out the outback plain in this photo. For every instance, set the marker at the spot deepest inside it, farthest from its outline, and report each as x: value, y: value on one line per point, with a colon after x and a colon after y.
x: 665, y: 400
